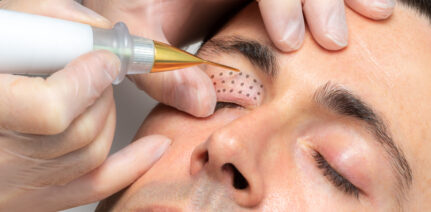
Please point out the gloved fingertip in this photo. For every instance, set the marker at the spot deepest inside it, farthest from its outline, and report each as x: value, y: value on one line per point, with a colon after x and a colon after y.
x: 334, y: 41
x: 111, y: 64
x: 289, y: 37
x: 197, y: 102
x: 291, y: 41
x: 91, y: 17
x: 289, y: 45
x: 333, y: 34
x: 207, y: 100
x: 382, y: 9
x: 155, y: 146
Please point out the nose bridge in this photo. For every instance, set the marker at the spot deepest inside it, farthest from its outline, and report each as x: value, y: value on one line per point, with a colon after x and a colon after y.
x: 242, y: 138
x: 256, y: 124
x: 233, y: 155
x: 227, y: 146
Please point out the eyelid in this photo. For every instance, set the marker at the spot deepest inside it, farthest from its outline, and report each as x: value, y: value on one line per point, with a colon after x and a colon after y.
x: 349, y: 160
x: 337, y: 179
x: 242, y: 88
x: 352, y: 158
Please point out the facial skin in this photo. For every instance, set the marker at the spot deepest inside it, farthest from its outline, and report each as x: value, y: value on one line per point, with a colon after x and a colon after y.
x: 307, y: 118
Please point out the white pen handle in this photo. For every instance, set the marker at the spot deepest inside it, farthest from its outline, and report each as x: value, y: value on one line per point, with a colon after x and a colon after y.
x: 37, y: 44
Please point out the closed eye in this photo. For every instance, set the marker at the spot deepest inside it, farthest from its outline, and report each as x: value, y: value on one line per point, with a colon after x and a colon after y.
x: 336, y: 179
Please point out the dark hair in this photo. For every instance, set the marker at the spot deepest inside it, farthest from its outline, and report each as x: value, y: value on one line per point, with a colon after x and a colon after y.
x: 220, y: 23
x: 422, y: 6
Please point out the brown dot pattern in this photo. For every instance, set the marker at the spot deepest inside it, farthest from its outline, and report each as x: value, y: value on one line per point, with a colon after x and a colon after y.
x: 252, y: 84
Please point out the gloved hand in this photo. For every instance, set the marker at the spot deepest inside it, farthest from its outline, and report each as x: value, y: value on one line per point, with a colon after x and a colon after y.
x: 284, y: 20
x: 179, y: 22
x: 55, y: 134
x: 188, y: 90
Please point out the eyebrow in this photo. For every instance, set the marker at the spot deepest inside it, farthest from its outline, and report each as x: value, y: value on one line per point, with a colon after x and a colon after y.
x: 258, y: 54
x: 332, y: 96
x: 343, y: 102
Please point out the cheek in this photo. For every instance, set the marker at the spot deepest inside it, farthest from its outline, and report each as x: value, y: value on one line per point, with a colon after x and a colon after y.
x: 186, y: 133
x: 240, y: 88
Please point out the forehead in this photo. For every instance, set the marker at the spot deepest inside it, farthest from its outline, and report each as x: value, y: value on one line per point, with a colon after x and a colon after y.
x: 386, y: 63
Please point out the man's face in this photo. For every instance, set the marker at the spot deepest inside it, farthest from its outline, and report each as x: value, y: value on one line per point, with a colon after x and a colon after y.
x: 307, y: 131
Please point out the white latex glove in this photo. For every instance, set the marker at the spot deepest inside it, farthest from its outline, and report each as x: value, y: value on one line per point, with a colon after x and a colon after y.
x: 55, y: 133
x: 180, y: 21
x: 284, y: 20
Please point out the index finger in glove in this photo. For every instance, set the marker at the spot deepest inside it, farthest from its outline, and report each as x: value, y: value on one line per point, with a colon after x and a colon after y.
x: 189, y: 90
x: 284, y: 22
x: 39, y: 106
x: 327, y: 22
x: 375, y: 9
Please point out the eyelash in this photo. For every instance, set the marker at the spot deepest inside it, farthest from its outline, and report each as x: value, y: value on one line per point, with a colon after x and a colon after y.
x: 336, y: 179
x: 221, y: 105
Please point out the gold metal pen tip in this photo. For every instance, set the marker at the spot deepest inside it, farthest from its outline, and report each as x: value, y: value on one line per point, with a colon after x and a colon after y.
x: 221, y: 66
x: 169, y: 58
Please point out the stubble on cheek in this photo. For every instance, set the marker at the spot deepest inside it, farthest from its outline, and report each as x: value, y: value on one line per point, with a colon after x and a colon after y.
x: 202, y: 193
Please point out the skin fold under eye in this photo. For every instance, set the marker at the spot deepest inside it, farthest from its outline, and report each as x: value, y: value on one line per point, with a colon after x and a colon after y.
x: 221, y: 105
x: 336, y: 179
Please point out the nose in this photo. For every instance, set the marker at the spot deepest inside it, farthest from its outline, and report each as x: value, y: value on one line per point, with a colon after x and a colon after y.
x: 232, y: 155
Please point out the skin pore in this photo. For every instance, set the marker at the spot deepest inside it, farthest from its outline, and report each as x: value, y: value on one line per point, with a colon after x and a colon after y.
x: 338, y: 131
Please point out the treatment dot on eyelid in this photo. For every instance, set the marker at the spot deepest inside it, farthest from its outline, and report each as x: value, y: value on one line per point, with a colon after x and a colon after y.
x: 231, y: 90
x: 218, y: 91
x: 223, y: 81
x: 242, y: 84
x: 248, y: 95
x: 258, y: 93
x: 261, y: 86
x: 251, y: 87
x: 215, y: 83
x: 221, y: 74
x: 230, y: 73
x: 224, y: 90
x: 247, y: 76
x: 240, y: 73
x: 212, y: 76
x: 254, y: 80
x: 240, y: 92
x: 254, y: 98
x: 233, y: 81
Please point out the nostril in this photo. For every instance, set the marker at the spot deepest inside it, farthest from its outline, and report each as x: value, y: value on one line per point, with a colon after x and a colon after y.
x: 199, y: 159
x: 205, y: 157
x: 239, y: 181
